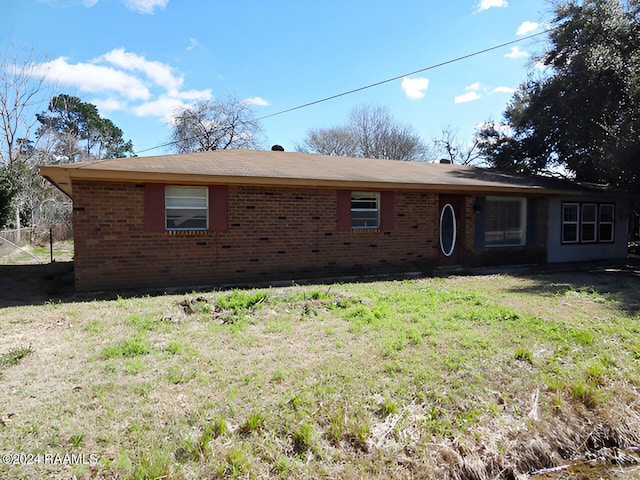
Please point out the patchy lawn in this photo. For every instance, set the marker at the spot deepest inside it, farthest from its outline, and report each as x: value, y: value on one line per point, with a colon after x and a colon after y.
x: 479, y: 377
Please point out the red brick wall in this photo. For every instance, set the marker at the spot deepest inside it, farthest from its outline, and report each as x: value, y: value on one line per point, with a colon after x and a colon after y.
x: 272, y: 233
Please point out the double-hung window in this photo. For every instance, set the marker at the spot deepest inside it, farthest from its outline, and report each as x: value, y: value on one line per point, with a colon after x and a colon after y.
x: 570, y: 222
x: 587, y: 222
x: 365, y: 210
x: 505, y: 221
x: 605, y: 223
x: 186, y: 208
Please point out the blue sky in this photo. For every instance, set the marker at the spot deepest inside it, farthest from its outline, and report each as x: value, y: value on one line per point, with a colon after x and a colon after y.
x: 139, y: 60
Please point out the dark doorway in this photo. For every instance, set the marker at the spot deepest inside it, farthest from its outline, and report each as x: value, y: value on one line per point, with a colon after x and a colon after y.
x: 451, y: 229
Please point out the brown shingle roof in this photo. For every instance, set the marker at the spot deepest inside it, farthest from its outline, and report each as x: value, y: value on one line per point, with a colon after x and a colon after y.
x: 273, y: 168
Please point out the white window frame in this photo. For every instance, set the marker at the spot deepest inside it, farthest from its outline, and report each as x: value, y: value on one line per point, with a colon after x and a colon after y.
x: 599, y: 209
x: 174, y: 195
x: 356, y: 218
x: 523, y: 222
x: 571, y: 222
x: 612, y: 222
x: 593, y: 222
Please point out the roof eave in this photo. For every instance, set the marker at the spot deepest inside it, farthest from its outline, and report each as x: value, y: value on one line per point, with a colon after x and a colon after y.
x: 64, y: 177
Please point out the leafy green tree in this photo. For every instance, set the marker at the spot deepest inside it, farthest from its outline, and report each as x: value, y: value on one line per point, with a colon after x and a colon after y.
x: 78, y: 132
x: 7, y: 192
x: 583, y: 112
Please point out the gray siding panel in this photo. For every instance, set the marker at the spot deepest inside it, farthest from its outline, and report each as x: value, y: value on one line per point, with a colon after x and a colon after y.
x: 558, y: 252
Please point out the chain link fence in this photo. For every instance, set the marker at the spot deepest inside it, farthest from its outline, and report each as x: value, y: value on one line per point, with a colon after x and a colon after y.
x: 39, y: 244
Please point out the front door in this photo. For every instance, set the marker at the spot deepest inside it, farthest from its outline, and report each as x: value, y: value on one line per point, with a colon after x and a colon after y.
x: 451, y: 229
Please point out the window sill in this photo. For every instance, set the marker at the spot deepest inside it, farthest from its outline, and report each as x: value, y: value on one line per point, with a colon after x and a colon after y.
x: 604, y: 242
x: 510, y: 245
x: 186, y: 232
x: 365, y: 230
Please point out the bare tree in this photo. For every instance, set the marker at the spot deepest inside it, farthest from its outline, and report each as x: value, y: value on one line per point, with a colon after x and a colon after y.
x: 448, y: 147
x: 217, y: 125
x: 338, y: 141
x: 371, y: 133
x: 20, y: 91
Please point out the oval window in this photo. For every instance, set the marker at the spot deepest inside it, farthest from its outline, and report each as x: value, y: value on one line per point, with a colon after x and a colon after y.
x: 447, y: 230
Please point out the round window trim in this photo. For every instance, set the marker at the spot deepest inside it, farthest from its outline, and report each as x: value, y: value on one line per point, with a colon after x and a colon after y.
x: 448, y: 251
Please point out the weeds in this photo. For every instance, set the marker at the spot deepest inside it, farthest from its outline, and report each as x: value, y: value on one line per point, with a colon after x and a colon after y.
x: 76, y: 439
x: 590, y: 396
x: 523, y: 355
x: 303, y: 438
x: 388, y: 407
x: 178, y: 374
x: 303, y: 382
x: 13, y: 357
x: 198, y: 447
x: 156, y: 464
x: 127, y: 348
x: 240, y: 301
x: 235, y: 463
x: 255, y: 422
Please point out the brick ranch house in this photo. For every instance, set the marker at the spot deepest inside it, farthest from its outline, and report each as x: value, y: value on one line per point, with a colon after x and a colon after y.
x: 236, y: 216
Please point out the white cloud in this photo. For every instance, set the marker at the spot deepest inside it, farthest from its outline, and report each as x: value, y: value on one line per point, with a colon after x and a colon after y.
x: 487, y: 4
x: 140, y: 6
x: 145, y: 6
x: 508, y: 90
x: 109, y: 104
x: 415, y: 88
x: 516, y: 53
x: 159, y: 73
x: 527, y: 27
x: 261, y: 102
x: 193, y: 95
x: 69, y: 3
x: 92, y: 78
x: 193, y: 43
x: 467, y: 97
x: 167, y: 104
x: 163, y: 107
x: 472, y: 93
x: 124, y: 81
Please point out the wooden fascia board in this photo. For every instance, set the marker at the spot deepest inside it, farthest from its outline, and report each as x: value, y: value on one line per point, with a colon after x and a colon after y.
x: 193, y: 179
x: 59, y: 177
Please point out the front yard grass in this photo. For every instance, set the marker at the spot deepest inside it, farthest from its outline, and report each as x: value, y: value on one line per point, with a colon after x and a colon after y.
x: 464, y: 377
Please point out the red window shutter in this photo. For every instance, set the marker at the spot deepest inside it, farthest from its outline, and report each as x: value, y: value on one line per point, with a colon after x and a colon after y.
x: 387, y: 211
x: 344, y: 210
x: 218, y: 208
x: 154, y: 216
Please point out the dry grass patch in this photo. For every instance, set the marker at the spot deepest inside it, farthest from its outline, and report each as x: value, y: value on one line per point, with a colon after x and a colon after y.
x: 461, y: 378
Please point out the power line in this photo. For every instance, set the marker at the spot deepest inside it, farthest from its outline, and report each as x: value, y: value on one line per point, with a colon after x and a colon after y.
x: 382, y: 82
x: 431, y: 67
